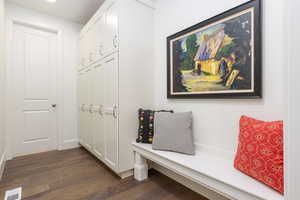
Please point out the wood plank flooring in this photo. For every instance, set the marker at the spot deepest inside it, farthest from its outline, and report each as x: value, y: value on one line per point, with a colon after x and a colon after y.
x: 75, y: 174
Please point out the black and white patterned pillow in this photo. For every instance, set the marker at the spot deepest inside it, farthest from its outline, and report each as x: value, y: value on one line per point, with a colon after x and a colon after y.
x: 146, y: 125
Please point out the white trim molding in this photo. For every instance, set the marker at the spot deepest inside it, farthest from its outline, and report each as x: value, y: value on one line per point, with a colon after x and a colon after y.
x: 69, y: 144
x: 2, y: 164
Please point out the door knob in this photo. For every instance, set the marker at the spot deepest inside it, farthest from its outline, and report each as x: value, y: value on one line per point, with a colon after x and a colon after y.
x: 54, y: 105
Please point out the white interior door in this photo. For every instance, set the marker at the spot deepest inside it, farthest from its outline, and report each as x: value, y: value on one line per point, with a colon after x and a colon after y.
x: 111, y: 111
x: 34, y: 64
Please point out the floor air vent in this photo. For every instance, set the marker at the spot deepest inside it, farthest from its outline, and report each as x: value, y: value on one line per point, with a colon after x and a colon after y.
x: 15, y: 194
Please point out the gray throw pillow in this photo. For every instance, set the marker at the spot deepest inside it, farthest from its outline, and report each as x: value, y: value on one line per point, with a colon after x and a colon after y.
x: 174, y: 132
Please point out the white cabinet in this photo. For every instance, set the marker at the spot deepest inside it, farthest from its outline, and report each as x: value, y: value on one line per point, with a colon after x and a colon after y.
x: 100, y: 39
x: 111, y: 29
x: 115, y: 81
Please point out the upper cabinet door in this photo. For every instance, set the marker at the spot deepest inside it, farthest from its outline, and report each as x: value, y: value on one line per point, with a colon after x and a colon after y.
x: 99, y: 36
x: 81, y: 57
x: 83, y: 45
x: 90, y: 45
x: 111, y: 30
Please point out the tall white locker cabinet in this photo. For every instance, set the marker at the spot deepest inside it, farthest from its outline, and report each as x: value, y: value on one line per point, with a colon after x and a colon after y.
x: 115, y: 79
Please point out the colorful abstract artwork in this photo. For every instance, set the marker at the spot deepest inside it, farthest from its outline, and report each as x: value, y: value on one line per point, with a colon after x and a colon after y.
x: 218, y: 58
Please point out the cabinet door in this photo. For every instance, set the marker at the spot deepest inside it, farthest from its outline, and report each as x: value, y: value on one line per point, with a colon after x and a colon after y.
x: 111, y: 29
x: 98, y: 118
x: 88, y: 113
x: 81, y: 54
x: 81, y: 102
x: 99, y: 36
x: 93, y: 43
x: 83, y: 116
x: 111, y: 111
x: 89, y: 46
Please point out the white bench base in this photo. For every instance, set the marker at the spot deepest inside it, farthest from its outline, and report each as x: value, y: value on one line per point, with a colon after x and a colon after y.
x: 215, y: 173
x: 140, y: 168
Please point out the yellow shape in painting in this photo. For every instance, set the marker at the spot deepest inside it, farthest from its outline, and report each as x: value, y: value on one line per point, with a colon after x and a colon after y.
x: 184, y: 72
x: 212, y: 78
x: 210, y: 66
x: 227, y: 40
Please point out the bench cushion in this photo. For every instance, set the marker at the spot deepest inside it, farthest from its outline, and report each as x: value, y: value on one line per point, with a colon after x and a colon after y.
x: 260, y: 151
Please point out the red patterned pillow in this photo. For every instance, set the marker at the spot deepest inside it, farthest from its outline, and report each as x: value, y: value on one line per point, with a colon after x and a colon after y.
x: 260, y: 151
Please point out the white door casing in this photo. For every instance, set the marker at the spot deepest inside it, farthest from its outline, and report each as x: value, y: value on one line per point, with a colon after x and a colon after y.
x: 34, y: 61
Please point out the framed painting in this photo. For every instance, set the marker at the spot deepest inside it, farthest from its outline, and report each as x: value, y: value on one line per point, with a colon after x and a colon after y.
x: 218, y: 58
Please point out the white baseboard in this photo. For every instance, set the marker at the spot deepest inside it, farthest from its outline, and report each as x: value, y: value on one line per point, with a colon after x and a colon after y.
x: 2, y: 164
x: 188, y: 183
x: 70, y: 144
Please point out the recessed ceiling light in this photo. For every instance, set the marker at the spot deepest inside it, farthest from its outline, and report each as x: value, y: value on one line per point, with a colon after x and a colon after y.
x: 51, y: 1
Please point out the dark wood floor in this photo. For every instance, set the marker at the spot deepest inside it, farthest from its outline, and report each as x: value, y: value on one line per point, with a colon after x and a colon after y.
x: 75, y: 174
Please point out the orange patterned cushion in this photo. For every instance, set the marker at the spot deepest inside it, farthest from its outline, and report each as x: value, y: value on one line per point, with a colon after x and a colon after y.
x: 260, y: 151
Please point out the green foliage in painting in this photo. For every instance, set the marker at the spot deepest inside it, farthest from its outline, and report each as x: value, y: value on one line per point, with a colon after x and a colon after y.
x: 226, y: 51
x: 191, y: 50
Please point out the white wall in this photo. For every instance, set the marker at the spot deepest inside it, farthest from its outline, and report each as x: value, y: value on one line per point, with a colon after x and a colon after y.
x: 67, y: 103
x: 292, y: 138
x: 216, y: 121
x: 2, y: 82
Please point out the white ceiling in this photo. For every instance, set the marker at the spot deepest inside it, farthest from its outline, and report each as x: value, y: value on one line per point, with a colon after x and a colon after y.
x: 78, y: 11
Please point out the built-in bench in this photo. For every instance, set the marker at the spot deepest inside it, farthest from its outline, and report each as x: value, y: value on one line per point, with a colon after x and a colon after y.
x: 211, y: 171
